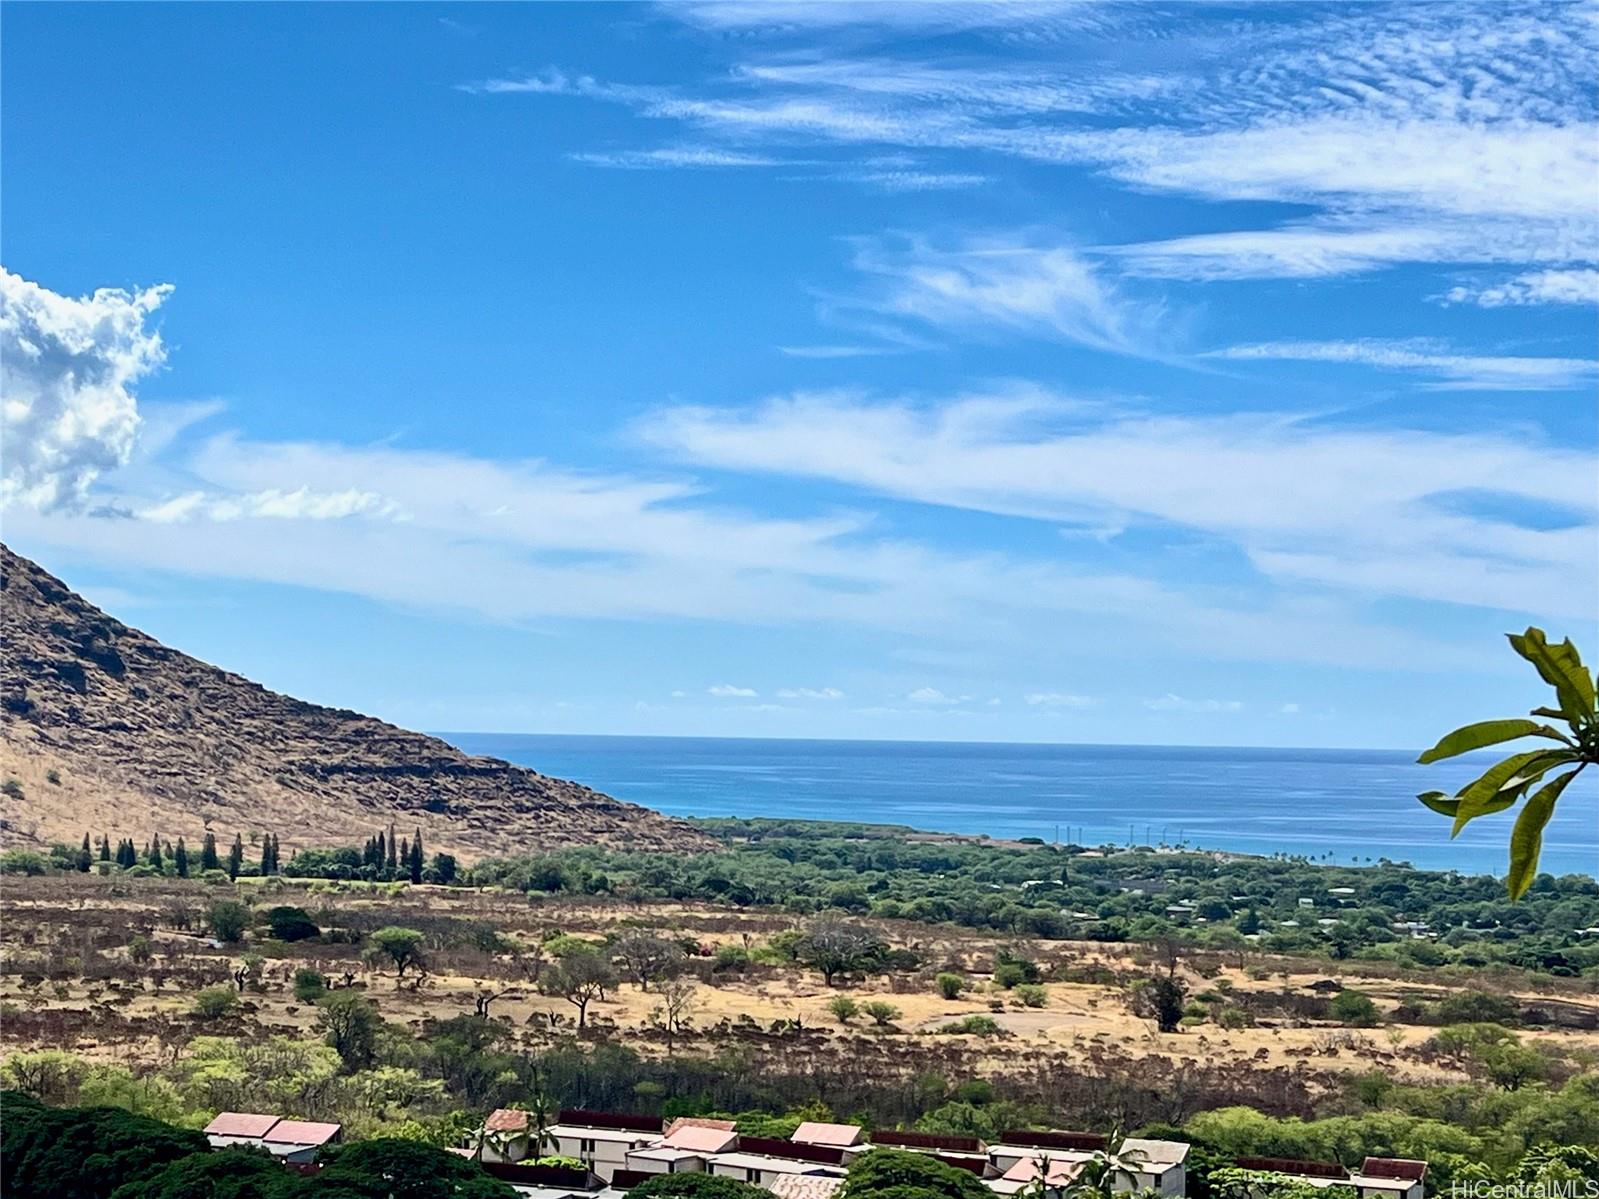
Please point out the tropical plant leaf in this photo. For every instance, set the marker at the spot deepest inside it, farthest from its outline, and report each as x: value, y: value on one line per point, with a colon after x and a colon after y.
x: 1446, y: 805
x: 1485, y: 733
x: 1561, y: 667
x: 1518, y: 771
x: 1526, y: 839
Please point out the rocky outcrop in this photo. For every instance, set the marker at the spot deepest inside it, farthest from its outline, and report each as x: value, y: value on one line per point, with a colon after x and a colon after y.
x: 106, y: 730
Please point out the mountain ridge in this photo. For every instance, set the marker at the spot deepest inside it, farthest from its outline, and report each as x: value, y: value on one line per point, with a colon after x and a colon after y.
x: 107, y: 730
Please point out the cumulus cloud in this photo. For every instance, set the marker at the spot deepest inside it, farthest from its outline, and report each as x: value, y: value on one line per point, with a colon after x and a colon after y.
x: 1532, y: 287
x: 69, y: 367
x: 810, y: 693
x: 729, y: 691
x: 932, y: 695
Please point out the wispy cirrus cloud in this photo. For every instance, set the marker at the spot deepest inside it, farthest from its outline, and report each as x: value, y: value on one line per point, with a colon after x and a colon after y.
x: 1412, y: 133
x: 1002, y: 283
x: 1450, y: 370
x: 1363, y: 510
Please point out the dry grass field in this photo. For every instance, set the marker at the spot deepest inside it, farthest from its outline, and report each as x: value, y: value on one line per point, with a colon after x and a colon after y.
x: 68, y: 982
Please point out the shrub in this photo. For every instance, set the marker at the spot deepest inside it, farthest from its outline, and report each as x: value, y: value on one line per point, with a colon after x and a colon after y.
x: 730, y: 957
x: 139, y: 950
x: 23, y: 861
x: 949, y: 985
x: 1031, y: 994
x: 882, y: 1012
x: 1354, y: 1008
x: 215, y: 1002
x: 292, y: 924
x: 844, y: 1008
x: 977, y: 1026
x: 309, y: 985
x: 227, y: 920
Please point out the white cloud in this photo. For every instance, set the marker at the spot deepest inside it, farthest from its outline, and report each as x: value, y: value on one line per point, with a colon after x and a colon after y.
x: 728, y: 691
x: 1348, y: 508
x: 67, y: 371
x: 300, y: 504
x: 1454, y: 371
x: 1177, y: 703
x: 1001, y: 283
x: 675, y: 156
x: 826, y: 693
x: 1436, y: 134
x: 1532, y: 287
x: 932, y: 695
x: 1058, y: 699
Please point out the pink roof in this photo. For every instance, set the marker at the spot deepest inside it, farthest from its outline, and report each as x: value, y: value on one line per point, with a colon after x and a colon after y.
x: 506, y: 1119
x: 301, y: 1132
x: 839, y: 1136
x: 1059, y: 1172
x: 240, y: 1124
x: 700, y: 1140
x: 699, y: 1122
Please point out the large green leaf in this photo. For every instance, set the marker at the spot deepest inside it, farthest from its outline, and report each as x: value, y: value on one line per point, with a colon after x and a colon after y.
x: 1561, y: 667
x: 1517, y: 771
x: 1446, y: 805
x: 1484, y: 733
x: 1526, y: 839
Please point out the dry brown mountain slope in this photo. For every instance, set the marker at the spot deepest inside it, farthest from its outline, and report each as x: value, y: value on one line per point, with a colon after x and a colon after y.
x: 107, y: 730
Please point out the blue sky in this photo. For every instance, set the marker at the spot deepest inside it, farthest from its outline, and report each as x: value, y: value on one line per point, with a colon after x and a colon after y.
x: 1084, y: 372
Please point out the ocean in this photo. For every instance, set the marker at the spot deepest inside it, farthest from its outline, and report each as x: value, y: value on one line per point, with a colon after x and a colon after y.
x: 1327, y: 804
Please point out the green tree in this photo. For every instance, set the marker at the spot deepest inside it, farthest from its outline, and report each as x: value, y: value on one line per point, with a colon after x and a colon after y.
x: 1512, y: 779
x: 85, y: 857
x: 349, y: 1023
x: 70, y: 1153
x: 208, y: 854
x: 836, y: 946
x: 1161, y: 999
x: 949, y: 985
x: 388, y: 1168
x: 895, y: 1174
x: 291, y: 924
x: 579, y: 978
x: 236, y: 856
x: 1354, y: 1008
x: 402, y: 946
x: 228, y: 919
x: 310, y: 984
x: 414, y: 861
x: 234, y: 1173
x: 696, y: 1186
x: 180, y: 859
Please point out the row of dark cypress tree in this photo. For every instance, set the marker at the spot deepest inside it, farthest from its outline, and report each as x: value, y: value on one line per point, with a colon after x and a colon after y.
x: 158, y: 852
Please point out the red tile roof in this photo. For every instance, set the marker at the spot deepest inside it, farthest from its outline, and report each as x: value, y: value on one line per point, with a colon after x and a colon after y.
x: 506, y: 1119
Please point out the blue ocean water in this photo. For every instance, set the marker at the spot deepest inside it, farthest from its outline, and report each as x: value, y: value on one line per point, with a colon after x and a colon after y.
x: 1345, y: 803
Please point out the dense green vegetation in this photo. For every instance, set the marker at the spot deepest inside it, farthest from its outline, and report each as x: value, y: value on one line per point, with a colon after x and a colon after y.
x: 1378, y: 911
x: 1385, y: 911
